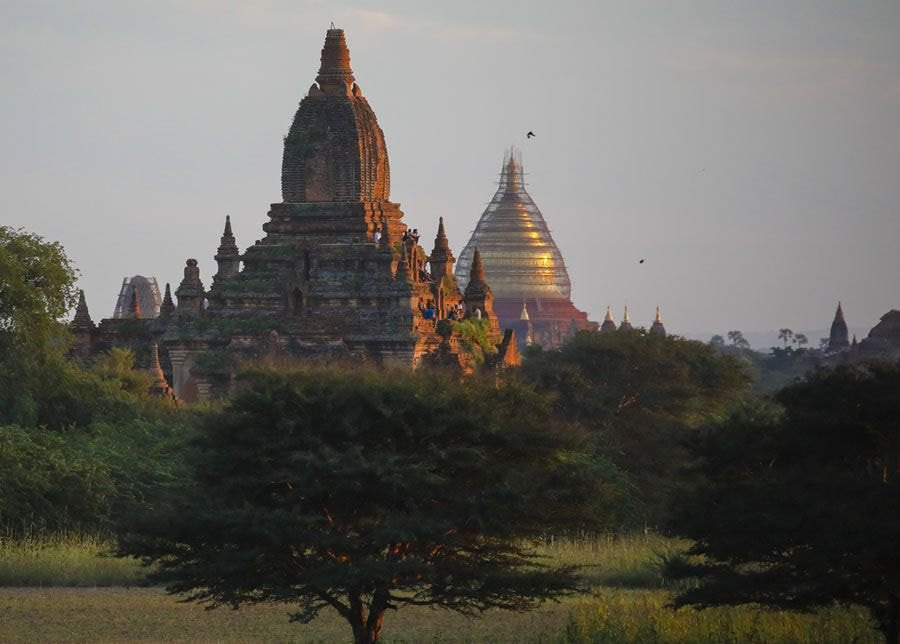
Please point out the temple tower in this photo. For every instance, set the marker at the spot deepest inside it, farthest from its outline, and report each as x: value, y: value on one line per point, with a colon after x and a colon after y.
x: 190, y: 292
x: 478, y: 296
x: 441, y: 259
x: 228, y: 257
x: 626, y: 322
x: 839, y: 338
x: 609, y: 325
x: 657, y: 326
x: 522, y: 260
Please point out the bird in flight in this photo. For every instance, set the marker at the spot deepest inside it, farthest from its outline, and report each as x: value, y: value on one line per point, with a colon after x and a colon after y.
x: 530, y: 135
x: 640, y: 261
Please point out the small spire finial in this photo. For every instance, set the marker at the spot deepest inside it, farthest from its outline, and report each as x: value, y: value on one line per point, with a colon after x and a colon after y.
x: 609, y: 316
x: 134, y: 308
x: 228, y: 226
x: 626, y: 318
x: 476, y: 276
x: 658, y: 316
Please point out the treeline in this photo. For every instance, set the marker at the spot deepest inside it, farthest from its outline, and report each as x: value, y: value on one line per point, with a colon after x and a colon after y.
x: 365, y: 490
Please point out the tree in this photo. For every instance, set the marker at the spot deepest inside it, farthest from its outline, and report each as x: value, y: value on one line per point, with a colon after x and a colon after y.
x: 37, y: 288
x: 639, y: 394
x: 785, y: 335
x: 717, y: 341
x: 801, y: 340
x: 799, y: 509
x: 738, y: 340
x: 369, y: 491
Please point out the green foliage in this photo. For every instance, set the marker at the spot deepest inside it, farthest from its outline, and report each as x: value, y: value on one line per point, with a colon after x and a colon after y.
x: 362, y: 491
x: 639, y: 393
x: 450, y: 285
x: 37, y: 287
x: 475, y: 338
x: 85, y: 478
x: 814, y: 492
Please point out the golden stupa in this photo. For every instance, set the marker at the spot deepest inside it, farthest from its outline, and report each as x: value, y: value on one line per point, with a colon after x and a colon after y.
x: 522, y: 264
x: 520, y: 258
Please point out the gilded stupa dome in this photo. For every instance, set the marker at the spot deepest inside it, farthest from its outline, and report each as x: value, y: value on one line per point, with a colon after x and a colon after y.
x: 520, y: 258
x: 335, y: 150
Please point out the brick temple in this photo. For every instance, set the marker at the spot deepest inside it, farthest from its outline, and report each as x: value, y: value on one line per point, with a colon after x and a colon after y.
x: 336, y: 276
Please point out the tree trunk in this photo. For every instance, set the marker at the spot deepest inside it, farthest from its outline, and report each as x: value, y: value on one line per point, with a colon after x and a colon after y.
x: 365, y: 629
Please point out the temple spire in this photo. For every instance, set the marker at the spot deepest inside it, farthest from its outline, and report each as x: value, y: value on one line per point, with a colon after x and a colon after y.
x: 477, y: 274
x: 441, y: 259
x: 626, y: 321
x: 839, y: 338
x: 134, y: 307
x: 228, y: 256
x: 82, y: 320
x: 159, y: 387
x: 524, y: 315
x: 335, y: 75
x: 658, y: 326
x: 168, y: 306
x: 608, y: 323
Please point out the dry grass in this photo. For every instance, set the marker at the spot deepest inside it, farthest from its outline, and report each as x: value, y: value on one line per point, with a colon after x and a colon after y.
x: 64, y: 560
x: 629, y: 605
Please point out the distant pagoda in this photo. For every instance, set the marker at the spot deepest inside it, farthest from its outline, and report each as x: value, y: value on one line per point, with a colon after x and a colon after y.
x: 522, y: 263
x: 839, y: 338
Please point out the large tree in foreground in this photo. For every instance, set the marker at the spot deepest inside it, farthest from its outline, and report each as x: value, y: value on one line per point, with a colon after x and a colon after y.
x: 363, y: 492
x: 803, y: 510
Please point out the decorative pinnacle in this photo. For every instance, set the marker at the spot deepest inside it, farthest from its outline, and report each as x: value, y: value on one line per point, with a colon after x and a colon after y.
x: 167, y: 305
x: 524, y: 315
x: 476, y: 276
x: 839, y: 314
x: 82, y: 317
x: 512, y: 171
x: 658, y: 318
x: 609, y: 317
x: 227, y: 232
x: 626, y: 319
x: 440, y: 233
x: 335, y: 68
x: 134, y: 308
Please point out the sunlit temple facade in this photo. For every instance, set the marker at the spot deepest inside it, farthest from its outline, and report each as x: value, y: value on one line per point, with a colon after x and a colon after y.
x: 336, y: 276
x: 532, y: 290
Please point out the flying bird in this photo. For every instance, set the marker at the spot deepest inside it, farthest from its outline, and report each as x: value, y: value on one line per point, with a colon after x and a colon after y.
x: 530, y: 135
x: 640, y: 261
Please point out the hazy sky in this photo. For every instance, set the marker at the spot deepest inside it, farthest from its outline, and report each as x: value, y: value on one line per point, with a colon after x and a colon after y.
x: 750, y: 151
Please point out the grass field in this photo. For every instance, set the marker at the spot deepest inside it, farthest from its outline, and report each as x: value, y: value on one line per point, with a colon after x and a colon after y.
x: 77, y: 594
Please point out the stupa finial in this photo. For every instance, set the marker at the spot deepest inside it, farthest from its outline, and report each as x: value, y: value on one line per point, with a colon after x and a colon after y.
x: 335, y: 72
x: 477, y: 274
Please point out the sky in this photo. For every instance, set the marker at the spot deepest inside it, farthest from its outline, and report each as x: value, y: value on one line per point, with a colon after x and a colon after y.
x: 749, y: 151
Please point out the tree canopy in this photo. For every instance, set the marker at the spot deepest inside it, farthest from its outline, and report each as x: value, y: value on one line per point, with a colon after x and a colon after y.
x: 799, y: 508
x: 364, y: 492
x: 638, y: 393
